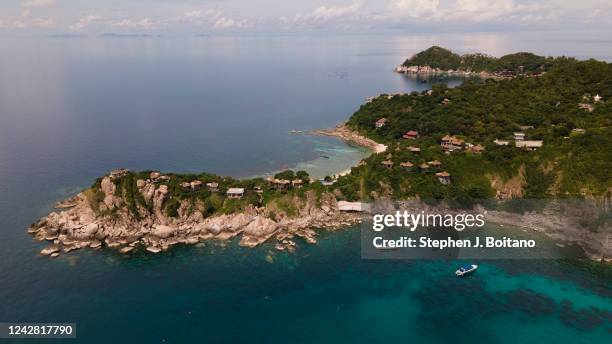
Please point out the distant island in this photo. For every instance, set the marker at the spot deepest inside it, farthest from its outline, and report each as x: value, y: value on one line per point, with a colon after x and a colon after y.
x: 517, y: 145
x: 437, y: 60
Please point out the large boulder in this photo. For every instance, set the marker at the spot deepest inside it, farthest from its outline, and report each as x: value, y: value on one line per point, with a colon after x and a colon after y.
x: 162, y: 231
x: 258, y: 231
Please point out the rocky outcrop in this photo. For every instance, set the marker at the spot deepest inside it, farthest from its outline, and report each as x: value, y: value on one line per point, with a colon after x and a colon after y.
x: 87, y: 223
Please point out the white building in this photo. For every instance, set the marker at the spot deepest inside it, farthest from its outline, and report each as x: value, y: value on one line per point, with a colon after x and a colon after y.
x: 353, y: 206
x: 529, y: 145
x: 235, y: 193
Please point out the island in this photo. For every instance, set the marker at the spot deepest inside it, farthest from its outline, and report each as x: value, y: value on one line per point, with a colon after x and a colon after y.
x: 528, y: 139
x: 437, y: 60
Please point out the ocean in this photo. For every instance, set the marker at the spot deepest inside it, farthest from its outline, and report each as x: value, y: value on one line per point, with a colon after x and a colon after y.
x: 71, y: 109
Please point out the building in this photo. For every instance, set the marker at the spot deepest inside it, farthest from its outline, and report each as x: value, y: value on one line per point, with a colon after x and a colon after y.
x: 297, y: 183
x: 196, y: 185
x: 597, y: 98
x: 411, y: 135
x: 258, y: 189
x: 501, y: 142
x: 424, y: 168
x: 526, y: 127
x: 328, y: 182
x: 446, y: 101
x: 519, y: 136
x: 415, y: 150
x: 477, y: 149
x: 434, y: 163
x: 578, y: 131
x: 158, y: 177
x: 212, y: 186
x: 235, y: 193
x: 380, y: 123
x: 279, y: 184
x: 451, y: 143
x: 353, y: 206
x: 586, y: 106
x: 444, y: 177
x: 118, y: 173
x: 529, y: 145
x: 387, y: 163
x: 407, y: 165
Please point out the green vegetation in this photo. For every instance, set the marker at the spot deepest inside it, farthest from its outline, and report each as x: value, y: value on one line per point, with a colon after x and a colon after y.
x: 546, y: 107
x: 444, y: 59
x: 208, y: 202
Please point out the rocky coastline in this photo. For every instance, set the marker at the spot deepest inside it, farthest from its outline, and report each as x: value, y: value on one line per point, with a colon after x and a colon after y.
x: 80, y: 226
x: 429, y: 71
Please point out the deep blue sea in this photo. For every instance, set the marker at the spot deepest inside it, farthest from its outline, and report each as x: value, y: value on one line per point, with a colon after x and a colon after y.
x: 71, y: 109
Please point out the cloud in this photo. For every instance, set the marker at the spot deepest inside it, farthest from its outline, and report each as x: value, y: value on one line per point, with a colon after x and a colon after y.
x: 415, y: 8
x: 468, y: 11
x: 84, y: 22
x: 324, y: 14
x: 199, y: 14
x: 25, y: 21
x: 37, y: 3
x: 229, y: 23
x: 144, y: 23
x: 215, y: 18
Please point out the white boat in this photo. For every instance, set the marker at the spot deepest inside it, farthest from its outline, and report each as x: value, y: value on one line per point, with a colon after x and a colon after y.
x: 466, y: 269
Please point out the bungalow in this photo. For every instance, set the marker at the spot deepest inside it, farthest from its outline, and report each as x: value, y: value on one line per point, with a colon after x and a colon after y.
x: 196, y: 185
x: 519, y: 136
x: 158, y: 177
x: 446, y: 101
x: 328, y: 182
x: 587, y: 107
x: 415, y: 150
x: 477, y: 149
x: 411, y: 135
x: 186, y: 185
x: 529, y: 145
x: 424, y: 168
x: 353, y: 206
x: 212, y: 186
x: 258, y: 189
x: 279, y: 184
x: 444, y: 177
x: 407, y: 165
x: 501, y: 142
x: 451, y: 143
x: 297, y: 183
x: 387, y: 163
x: 235, y: 193
x: 118, y: 173
x: 380, y: 123
x: 434, y: 163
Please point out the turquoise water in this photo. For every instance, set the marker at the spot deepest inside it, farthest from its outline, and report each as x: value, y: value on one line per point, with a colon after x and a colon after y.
x: 323, y: 293
x: 73, y: 109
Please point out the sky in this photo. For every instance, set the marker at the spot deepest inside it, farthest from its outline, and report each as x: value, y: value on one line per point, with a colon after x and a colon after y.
x: 187, y: 17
